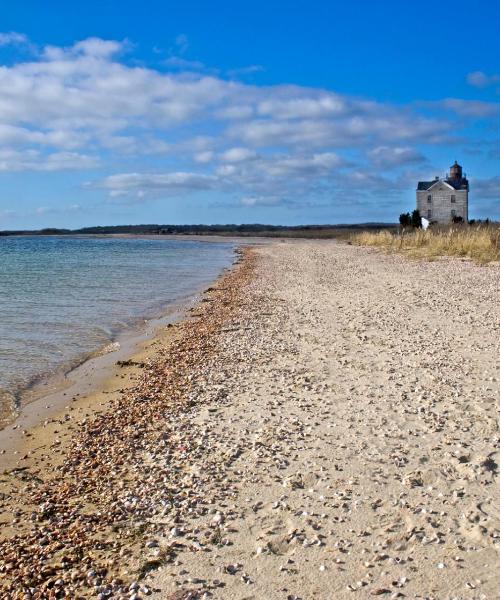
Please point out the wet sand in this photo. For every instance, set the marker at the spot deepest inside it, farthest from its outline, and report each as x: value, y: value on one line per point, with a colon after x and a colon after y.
x: 325, y: 426
x: 46, y: 397
x: 89, y: 383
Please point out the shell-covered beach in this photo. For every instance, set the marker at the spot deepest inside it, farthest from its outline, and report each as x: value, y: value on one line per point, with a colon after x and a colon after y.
x: 324, y: 424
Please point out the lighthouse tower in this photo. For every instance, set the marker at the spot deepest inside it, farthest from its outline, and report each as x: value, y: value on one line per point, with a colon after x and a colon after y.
x: 455, y: 172
x: 445, y: 200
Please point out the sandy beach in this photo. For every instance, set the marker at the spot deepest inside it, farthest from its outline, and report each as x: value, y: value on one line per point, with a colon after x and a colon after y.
x: 323, y: 425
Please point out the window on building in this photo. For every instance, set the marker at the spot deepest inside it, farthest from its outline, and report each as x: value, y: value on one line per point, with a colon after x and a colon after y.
x: 453, y: 199
x: 429, y: 199
x: 453, y: 214
x: 429, y: 213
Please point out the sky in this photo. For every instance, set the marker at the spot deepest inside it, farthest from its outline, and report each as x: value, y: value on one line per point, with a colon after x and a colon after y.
x: 243, y: 112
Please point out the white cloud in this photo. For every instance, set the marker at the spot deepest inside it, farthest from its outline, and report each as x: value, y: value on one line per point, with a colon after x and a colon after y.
x: 235, y: 155
x: 388, y: 157
x: 235, y: 113
x: 32, y: 160
x: 260, y: 177
x: 267, y: 132
x: 81, y: 106
x: 226, y: 170
x: 11, y: 135
x: 471, y: 108
x: 12, y: 38
x: 59, y: 161
x: 260, y: 200
x: 98, y: 48
x: 124, y: 183
x: 315, y: 165
x: 204, y: 157
x: 249, y: 70
x: 487, y: 188
x: 177, y: 62
x: 348, y: 131
x: 303, y: 108
x: 481, y: 80
x: 84, y: 95
x: 85, y: 87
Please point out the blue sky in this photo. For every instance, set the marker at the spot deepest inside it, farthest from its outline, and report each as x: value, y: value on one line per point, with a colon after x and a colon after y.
x: 217, y: 112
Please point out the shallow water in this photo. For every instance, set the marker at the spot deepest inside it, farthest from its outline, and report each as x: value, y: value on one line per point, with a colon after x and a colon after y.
x: 62, y: 298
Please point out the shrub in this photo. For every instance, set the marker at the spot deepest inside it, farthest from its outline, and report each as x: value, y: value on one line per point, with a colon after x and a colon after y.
x: 405, y: 219
x: 416, y: 219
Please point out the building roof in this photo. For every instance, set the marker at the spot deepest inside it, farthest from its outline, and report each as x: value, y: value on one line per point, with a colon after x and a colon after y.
x: 458, y: 184
x: 425, y: 185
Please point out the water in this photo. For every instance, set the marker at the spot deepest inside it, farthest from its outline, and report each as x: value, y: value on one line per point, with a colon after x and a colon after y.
x: 61, y: 298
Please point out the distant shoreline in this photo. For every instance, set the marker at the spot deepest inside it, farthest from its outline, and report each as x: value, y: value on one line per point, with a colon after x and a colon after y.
x: 189, y: 231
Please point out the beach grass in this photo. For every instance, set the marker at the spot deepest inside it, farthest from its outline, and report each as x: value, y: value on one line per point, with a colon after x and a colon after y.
x: 481, y: 244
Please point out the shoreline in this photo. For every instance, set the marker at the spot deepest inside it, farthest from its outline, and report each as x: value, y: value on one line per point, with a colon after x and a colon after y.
x: 67, y: 381
x: 120, y: 345
x: 41, y: 450
x: 96, y: 373
x: 89, y: 377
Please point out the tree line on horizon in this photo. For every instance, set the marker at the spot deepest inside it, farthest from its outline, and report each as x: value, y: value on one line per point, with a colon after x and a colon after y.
x: 155, y: 229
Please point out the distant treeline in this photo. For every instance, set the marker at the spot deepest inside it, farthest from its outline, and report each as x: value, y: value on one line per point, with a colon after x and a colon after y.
x: 255, y: 229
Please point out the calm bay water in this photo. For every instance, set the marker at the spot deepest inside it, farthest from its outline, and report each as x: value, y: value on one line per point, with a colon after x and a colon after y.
x: 61, y: 298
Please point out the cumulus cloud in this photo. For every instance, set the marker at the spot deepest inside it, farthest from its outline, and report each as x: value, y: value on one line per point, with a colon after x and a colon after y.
x: 86, y: 93
x: 84, y: 88
x: 471, y: 108
x: 12, y: 38
x: 58, y: 161
x: 33, y: 160
x: 81, y: 106
x: 226, y: 170
x: 487, y: 188
x: 259, y: 176
x: 235, y: 155
x: 387, y: 157
x: 315, y: 165
x: 303, y: 108
x: 125, y: 183
x: 11, y: 135
x: 204, y: 157
x: 236, y: 112
x: 97, y: 47
x: 349, y: 131
x: 481, y: 80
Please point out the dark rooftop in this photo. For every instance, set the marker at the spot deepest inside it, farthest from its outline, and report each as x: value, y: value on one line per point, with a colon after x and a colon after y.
x: 458, y: 184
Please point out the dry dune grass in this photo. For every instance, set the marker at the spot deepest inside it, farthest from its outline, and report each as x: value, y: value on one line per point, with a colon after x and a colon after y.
x: 482, y: 244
